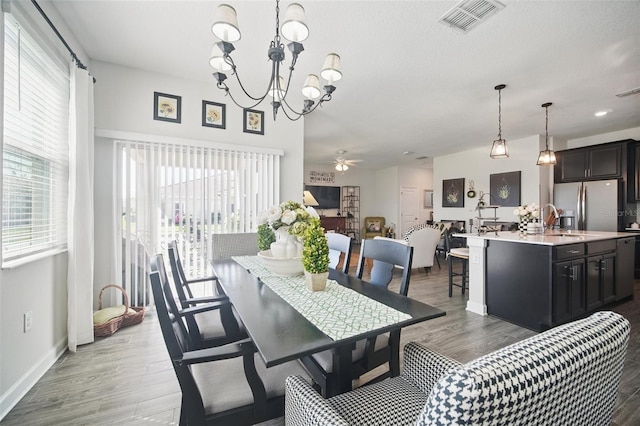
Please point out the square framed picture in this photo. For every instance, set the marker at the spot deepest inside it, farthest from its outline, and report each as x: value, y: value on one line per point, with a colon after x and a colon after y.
x: 505, y: 189
x: 214, y: 115
x: 167, y: 107
x: 253, y: 121
x: 453, y: 192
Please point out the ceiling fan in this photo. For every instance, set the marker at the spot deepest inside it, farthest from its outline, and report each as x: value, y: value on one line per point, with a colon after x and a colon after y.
x: 342, y: 164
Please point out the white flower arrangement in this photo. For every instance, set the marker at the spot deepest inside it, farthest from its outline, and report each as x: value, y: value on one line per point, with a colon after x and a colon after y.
x: 290, y: 214
x: 527, y: 212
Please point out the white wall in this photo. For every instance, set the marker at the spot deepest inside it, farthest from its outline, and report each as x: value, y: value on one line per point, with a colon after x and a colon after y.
x: 39, y: 286
x: 633, y: 133
x: 476, y: 165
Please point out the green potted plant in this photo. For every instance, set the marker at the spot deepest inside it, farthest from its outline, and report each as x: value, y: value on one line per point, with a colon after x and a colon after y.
x: 315, y: 256
x: 265, y: 237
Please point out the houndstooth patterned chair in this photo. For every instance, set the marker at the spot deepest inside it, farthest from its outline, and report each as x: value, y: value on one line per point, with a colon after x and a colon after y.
x: 568, y: 375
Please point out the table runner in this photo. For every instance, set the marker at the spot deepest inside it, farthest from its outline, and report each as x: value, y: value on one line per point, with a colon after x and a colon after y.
x: 338, y: 311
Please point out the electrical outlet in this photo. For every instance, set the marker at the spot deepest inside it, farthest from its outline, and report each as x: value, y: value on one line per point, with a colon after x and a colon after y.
x: 475, y: 259
x: 28, y: 321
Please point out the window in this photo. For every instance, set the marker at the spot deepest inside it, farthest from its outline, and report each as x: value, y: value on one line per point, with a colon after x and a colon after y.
x: 35, y: 163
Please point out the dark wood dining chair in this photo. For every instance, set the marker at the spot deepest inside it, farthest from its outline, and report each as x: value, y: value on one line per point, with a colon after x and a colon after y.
x: 339, y: 245
x: 218, y: 323
x: 221, y: 385
x: 377, y: 350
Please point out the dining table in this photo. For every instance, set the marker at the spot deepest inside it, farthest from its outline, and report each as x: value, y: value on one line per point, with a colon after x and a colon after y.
x: 281, y: 333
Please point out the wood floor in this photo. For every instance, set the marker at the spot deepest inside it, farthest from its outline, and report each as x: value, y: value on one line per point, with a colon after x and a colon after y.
x: 127, y: 378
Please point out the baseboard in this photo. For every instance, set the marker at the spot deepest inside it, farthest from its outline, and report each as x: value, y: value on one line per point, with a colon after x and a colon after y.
x: 18, y: 390
x: 476, y: 308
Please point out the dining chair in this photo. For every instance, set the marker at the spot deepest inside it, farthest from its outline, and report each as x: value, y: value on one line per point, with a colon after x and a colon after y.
x: 226, y: 384
x: 377, y: 350
x: 339, y: 244
x: 225, y: 246
x: 182, y: 283
x: 456, y: 251
x: 222, y: 323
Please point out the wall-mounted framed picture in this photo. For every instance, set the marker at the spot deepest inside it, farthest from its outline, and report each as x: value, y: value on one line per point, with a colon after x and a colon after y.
x: 453, y: 192
x: 505, y: 189
x: 214, y: 115
x: 253, y: 121
x: 428, y: 198
x: 167, y: 107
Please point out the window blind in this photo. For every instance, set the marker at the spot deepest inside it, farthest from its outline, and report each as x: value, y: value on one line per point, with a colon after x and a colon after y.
x: 35, y: 162
x: 186, y: 193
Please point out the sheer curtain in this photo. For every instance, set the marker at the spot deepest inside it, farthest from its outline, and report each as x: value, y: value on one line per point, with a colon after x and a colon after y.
x: 184, y: 192
x: 80, y: 210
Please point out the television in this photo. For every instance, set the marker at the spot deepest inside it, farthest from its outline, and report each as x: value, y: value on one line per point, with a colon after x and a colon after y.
x: 328, y: 197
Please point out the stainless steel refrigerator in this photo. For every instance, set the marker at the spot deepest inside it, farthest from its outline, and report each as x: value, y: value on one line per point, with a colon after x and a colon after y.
x: 589, y: 206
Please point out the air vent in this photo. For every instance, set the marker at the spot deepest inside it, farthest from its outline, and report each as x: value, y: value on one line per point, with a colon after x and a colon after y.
x: 468, y: 14
x: 628, y: 92
x: 422, y: 158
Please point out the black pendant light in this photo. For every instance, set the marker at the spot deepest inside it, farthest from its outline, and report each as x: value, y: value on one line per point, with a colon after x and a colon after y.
x: 547, y: 157
x: 499, y: 147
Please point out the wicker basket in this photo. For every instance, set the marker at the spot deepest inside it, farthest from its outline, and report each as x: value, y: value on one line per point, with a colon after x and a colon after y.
x: 131, y: 315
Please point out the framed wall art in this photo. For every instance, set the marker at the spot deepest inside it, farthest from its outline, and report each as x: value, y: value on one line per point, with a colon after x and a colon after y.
x: 253, y: 121
x: 453, y: 192
x: 428, y: 198
x: 167, y: 107
x: 214, y: 114
x: 505, y: 189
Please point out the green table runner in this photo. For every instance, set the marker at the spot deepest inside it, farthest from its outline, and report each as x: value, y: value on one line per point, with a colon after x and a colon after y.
x: 338, y: 312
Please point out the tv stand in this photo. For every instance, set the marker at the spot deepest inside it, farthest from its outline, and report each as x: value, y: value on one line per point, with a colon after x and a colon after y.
x: 333, y: 223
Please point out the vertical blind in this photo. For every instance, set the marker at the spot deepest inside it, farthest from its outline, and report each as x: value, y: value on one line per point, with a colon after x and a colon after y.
x: 35, y: 162
x: 185, y: 193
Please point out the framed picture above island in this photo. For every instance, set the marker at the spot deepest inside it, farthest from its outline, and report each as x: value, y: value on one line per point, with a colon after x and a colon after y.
x: 505, y: 189
x: 453, y: 192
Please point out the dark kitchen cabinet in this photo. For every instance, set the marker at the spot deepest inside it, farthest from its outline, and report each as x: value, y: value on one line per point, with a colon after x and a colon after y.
x: 568, y: 290
x: 589, y: 163
x: 601, y: 276
x: 626, y: 252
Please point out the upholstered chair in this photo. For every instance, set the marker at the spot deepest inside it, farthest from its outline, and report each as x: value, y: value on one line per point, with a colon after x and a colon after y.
x: 373, y: 226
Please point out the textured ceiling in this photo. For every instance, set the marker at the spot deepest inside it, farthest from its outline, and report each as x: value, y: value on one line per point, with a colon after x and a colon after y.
x: 410, y: 83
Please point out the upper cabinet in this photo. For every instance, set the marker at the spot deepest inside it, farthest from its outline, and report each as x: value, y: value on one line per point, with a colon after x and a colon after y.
x: 591, y: 163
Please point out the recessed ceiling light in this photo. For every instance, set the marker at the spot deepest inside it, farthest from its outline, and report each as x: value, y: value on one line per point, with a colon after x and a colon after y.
x: 407, y: 153
x: 602, y: 113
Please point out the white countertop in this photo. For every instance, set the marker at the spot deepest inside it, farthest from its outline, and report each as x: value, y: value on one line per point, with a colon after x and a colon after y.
x: 549, y: 238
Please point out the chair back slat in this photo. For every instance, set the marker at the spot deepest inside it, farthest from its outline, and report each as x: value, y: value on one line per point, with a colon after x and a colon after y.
x: 339, y: 244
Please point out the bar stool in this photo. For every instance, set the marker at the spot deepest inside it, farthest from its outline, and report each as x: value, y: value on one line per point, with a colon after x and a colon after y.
x: 456, y: 251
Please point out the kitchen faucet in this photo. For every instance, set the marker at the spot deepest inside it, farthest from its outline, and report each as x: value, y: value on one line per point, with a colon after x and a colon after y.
x: 555, y: 214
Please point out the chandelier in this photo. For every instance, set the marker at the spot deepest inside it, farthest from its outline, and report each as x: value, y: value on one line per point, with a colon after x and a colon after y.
x: 294, y: 29
x: 499, y: 147
x: 546, y: 157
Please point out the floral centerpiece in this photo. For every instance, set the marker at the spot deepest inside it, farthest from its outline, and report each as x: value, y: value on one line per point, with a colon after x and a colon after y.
x: 288, y: 222
x: 315, y: 256
x: 526, y: 213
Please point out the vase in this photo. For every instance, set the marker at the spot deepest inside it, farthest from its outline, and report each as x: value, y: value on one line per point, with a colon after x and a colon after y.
x: 522, y: 226
x: 316, y: 282
x: 286, y: 246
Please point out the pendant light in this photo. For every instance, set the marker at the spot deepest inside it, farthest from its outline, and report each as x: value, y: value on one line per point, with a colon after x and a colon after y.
x: 547, y: 157
x: 499, y: 147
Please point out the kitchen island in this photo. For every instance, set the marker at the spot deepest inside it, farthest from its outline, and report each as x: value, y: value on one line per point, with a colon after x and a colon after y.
x: 540, y: 281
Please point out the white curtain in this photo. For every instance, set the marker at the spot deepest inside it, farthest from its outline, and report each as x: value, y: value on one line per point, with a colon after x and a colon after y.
x: 80, y: 228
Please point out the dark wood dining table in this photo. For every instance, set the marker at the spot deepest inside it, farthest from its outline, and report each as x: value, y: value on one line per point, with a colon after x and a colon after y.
x: 281, y: 334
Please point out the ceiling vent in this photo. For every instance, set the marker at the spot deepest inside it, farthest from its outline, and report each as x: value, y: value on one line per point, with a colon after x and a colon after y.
x: 468, y: 14
x: 628, y: 92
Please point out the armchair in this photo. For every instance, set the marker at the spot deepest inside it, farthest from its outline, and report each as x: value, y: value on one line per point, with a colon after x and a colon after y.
x: 373, y: 226
x: 567, y: 375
